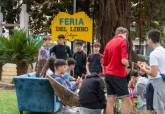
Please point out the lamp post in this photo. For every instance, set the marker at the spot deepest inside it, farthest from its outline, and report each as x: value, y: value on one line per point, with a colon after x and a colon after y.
x: 74, y: 6
x: 74, y: 11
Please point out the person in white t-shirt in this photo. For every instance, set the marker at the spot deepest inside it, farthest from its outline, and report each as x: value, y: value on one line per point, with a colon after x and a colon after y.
x: 155, y: 89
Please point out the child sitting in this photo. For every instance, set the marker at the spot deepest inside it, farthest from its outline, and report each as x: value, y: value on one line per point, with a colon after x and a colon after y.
x: 48, y: 67
x: 60, y: 69
x: 140, y: 90
x: 92, y: 96
x: 132, y: 84
x: 39, y: 66
x: 69, y: 74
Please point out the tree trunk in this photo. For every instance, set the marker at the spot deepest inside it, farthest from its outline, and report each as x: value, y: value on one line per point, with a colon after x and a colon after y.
x: 111, y: 14
x: 22, y: 68
x: 1, y: 66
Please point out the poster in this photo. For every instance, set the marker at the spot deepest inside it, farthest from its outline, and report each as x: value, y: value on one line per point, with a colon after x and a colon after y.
x: 74, y: 27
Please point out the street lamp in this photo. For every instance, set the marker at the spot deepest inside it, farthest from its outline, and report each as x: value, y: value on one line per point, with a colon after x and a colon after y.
x: 74, y: 11
x: 74, y: 6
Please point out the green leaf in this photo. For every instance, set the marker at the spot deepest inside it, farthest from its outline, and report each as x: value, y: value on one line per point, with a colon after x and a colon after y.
x: 19, y: 47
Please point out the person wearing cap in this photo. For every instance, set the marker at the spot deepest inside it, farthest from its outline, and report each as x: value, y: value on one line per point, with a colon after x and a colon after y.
x: 94, y: 60
x: 80, y: 57
x: 61, y: 51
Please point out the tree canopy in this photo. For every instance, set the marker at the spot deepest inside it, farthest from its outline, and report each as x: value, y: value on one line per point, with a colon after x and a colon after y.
x: 141, y: 15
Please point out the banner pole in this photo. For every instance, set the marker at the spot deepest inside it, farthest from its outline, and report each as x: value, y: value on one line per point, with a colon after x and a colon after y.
x: 74, y: 11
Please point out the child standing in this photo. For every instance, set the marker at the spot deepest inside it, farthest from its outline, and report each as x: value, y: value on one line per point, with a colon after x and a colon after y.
x: 80, y: 57
x: 44, y: 50
x: 92, y: 96
x: 94, y: 60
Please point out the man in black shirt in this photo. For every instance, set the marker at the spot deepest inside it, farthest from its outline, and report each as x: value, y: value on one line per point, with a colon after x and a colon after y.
x: 94, y: 60
x: 80, y: 57
x: 61, y: 50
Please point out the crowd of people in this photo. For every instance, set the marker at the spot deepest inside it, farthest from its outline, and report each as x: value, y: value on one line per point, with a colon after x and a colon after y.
x: 90, y: 74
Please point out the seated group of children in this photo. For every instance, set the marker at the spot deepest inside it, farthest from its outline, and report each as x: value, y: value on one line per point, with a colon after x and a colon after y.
x: 91, y: 94
x: 90, y: 87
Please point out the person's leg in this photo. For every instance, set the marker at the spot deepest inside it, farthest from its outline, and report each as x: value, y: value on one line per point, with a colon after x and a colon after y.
x: 97, y: 111
x: 149, y: 98
x: 110, y: 104
x: 111, y: 95
x: 126, y: 105
x: 84, y: 110
x: 121, y: 88
x: 150, y: 112
x: 90, y: 111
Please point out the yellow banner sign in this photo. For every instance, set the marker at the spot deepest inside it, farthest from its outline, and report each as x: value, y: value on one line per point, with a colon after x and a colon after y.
x: 73, y: 27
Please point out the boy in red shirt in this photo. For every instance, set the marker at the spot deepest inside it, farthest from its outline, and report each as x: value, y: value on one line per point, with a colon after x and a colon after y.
x: 115, y: 62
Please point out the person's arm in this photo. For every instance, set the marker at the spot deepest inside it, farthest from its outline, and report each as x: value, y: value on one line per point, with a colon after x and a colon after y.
x: 77, y: 85
x: 52, y: 50
x: 101, y: 93
x: 102, y: 66
x: 152, y: 71
x: 84, y: 62
x: 39, y: 55
x: 89, y: 60
x: 87, y: 67
x: 85, y: 58
x: 124, y: 53
x: 69, y: 51
x: 139, y: 88
x: 105, y: 59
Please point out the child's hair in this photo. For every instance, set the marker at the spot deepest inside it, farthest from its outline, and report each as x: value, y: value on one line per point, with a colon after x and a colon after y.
x: 59, y: 62
x: 96, y: 44
x: 71, y: 61
x: 40, y: 65
x: 46, y: 38
x: 145, y: 75
x: 49, y: 64
x: 79, y: 43
x: 134, y: 73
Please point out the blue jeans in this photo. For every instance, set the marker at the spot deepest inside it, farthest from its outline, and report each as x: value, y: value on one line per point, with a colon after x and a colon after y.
x: 90, y: 111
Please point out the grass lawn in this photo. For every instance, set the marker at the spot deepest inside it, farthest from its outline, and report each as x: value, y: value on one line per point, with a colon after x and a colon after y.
x: 8, y: 103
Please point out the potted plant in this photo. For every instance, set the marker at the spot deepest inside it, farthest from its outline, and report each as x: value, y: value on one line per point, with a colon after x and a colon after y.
x: 19, y: 49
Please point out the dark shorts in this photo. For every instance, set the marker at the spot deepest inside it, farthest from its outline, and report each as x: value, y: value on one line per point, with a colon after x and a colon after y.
x: 149, y: 97
x: 116, y: 86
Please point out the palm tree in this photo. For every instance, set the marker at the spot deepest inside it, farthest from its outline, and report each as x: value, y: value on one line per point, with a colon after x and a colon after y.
x: 19, y: 49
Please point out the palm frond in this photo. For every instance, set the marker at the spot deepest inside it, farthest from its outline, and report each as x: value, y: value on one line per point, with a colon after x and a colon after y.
x: 19, y: 47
